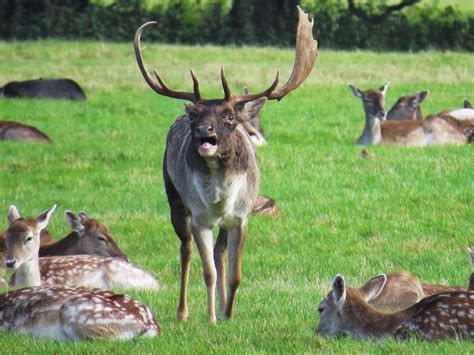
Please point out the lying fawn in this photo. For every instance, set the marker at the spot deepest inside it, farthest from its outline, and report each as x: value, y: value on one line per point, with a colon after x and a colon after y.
x: 67, y: 313
x: 346, y: 310
x: 408, y: 107
x: 22, y: 238
x: 15, y: 131
x: 89, y: 236
x: 402, y: 289
x: 433, y: 130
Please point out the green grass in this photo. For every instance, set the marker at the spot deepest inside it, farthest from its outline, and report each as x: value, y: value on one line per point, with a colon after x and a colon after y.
x: 405, y: 209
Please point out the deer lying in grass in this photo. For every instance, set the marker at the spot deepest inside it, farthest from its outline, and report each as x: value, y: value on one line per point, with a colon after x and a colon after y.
x: 346, y: 310
x: 402, y: 289
x: 210, y: 171
x: 15, y: 131
x: 67, y: 313
x: 22, y: 237
x: 89, y: 237
x: 433, y: 130
x: 408, y: 107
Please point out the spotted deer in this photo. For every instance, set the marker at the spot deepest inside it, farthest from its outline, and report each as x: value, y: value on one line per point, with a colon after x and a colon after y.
x: 210, y: 171
x: 15, y: 131
x: 346, y: 310
x: 408, y: 107
x: 67, y: 313
x: 433, y: 130
x: 22, y: 238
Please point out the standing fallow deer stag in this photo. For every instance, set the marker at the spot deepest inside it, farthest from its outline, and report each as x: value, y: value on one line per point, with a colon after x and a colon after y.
x: 15, y: 131
x: 433, y: 130
x: 408, y: 107
x: 22, y: 237
x: 71, y: 313
x: 210, y: 171
x: 346, y: 310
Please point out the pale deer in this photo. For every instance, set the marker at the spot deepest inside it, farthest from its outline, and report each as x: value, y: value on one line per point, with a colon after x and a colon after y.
x: 22, y: 237
x: 346, y: 310
x: 252, y: 123
x: 67, y: 313
x: 211, y: 175
x: 15, y: 131
x: 408, y: 107
x: 433, y: 130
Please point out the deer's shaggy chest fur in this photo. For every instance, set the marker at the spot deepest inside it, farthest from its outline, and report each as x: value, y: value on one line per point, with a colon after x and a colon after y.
x: 220, y: 191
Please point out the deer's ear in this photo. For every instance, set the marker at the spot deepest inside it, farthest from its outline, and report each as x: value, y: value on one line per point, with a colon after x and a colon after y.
x: 372, y: 289
x: 339, y: 289
x: 13, y: 214
x: 420, y: 97
x: 250, y: 109
x: 356, y: 91
x: 467, y: 104
x: 84, y: 217
x: 383, y: 89
x: 74, y: 221
x: 43, y: 218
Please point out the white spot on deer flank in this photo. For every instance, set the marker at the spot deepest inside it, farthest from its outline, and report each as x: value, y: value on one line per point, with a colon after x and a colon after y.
x: 433, y: 318
x: 461, y: 313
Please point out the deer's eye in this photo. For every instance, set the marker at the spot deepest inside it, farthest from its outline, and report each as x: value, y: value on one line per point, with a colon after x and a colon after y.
x: 28, y: 239
x: 102, y: 239
x: 320, y: 310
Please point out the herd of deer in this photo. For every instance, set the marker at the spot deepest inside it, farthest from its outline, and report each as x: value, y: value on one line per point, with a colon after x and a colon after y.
x: 211, y: 179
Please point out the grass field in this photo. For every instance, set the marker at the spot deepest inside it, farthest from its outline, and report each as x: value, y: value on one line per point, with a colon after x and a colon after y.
x: 405, y: 209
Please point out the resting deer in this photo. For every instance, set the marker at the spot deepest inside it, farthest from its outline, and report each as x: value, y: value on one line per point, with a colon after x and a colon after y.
x: 23, y: 246
x: 89, y: 236
x: 15, y: 131
x: 67, y: 313
x: 433, y: 130
x: 346, y: 310
x: 211, y: 175
x: 408, y: 107
x: 402, y: 289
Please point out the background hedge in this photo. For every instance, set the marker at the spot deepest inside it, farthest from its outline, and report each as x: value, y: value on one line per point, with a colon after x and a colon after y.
x: 263, y: 22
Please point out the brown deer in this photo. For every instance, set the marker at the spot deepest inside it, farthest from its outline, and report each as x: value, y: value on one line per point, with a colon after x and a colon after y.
x: 67, y: 313
x: 210, y: 171
x: 402, y: 289
x: 346, y: 310
x: 408, y: 107
x: 15, y: 131
x: 89, y: 236
x: 22, y: 237
x: 433, y: 130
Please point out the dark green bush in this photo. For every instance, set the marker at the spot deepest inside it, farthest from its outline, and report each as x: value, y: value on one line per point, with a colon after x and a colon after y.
x: 263, y: 22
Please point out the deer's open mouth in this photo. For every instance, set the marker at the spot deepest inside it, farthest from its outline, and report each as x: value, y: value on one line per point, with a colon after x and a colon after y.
x: 207, y: 146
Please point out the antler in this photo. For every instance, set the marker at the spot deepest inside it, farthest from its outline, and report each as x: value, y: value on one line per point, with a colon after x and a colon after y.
x: 161, y: 87
x: 306, y: 53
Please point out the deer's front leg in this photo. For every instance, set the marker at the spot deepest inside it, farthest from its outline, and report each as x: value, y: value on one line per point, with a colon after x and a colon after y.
x: 220, y: 257
x: 204, y: 242
x: 235, y: 244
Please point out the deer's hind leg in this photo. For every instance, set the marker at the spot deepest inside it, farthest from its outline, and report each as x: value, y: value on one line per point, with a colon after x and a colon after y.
x: 182, y: 226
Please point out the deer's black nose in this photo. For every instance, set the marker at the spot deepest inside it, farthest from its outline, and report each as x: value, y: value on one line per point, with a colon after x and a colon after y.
x: 10, y: 263
x: 205, y: 130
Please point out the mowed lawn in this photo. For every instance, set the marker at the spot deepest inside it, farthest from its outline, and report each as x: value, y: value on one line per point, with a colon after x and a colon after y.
x: 407, y: 208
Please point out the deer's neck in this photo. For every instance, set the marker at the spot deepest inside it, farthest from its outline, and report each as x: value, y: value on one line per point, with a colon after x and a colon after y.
x: 28, y: 274
x: 59, y: 248
x: 372, y: 133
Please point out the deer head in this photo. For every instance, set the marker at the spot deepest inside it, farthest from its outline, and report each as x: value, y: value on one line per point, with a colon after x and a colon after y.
x: 373, y: 101
x: 408, y: 107
x: 214, y: 121
x: 23, y: 236
x: 340, y: 311
x: 91, y: 237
